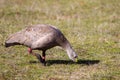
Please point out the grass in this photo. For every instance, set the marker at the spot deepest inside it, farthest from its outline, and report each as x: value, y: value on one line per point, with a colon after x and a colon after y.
x: 91, y: 26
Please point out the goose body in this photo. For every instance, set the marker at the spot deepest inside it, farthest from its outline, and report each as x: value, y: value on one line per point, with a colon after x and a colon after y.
x: 41, y: 37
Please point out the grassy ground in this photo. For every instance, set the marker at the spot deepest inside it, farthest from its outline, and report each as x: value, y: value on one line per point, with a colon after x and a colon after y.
x: 91, y: 26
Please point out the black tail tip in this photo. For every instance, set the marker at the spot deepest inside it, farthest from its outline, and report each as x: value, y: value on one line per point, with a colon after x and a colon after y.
x: 6, y: 45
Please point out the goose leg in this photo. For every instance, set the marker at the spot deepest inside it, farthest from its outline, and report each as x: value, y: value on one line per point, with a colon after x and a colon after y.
x: 29, y: 50
x: 35, y: 54
x: 43, y: 58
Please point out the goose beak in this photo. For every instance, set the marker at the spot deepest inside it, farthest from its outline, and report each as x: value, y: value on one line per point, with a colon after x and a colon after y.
x: 76, y: 59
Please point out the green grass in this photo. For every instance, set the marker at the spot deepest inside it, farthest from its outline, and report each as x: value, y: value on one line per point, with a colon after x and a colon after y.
x: 91, y: 26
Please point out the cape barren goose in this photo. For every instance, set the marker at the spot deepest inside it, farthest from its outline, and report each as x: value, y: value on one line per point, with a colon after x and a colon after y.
x: 41, y: 37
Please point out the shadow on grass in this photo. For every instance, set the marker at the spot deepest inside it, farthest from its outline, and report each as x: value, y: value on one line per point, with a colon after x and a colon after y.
x: 85, y: 62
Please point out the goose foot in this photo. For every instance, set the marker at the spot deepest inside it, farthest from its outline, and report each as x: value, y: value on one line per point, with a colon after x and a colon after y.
x: 42, y: 60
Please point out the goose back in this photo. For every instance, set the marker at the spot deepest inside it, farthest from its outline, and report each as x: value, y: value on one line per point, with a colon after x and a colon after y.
x: 38, y: 37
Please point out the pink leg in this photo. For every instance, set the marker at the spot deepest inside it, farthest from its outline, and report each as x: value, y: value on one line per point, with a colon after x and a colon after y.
x: 41, y: 59
x: 30, y: 50
x: 43, y: 55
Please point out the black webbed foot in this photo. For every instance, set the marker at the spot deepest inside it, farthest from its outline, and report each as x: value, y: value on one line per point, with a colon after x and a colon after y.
x: 40, y: 59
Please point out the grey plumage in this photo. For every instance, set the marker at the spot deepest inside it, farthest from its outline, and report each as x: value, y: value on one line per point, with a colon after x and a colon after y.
x: 41, y: 37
